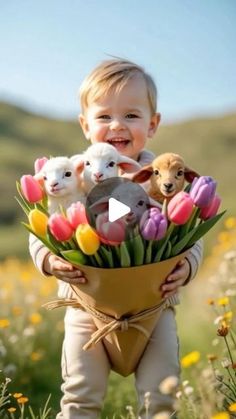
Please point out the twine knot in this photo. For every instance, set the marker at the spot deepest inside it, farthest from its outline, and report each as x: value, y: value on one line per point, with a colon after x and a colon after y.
x: 124, y: 325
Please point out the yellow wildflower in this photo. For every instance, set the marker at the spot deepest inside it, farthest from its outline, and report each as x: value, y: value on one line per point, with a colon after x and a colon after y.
x: 11, y: 409
x: 190, y: 359
x: 17, y: 395
x: 230, y: 222
x: 36, y: 356
x: 232, y: 407
x: 4, y: 323
x: 223, y: 330
x: 223, y: 301
x: 17, y: 310
x: 210, y: 301
x: 221, y: 415
x: 228, y: 316
x: 224, y: 237
x: 22, y: 400
x: 35, y: 318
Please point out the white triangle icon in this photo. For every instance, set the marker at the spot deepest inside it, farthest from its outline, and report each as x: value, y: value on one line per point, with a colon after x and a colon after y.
x: 116, y: 209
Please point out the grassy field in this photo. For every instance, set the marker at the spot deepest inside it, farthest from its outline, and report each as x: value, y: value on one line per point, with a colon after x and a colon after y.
x: 31, y: 337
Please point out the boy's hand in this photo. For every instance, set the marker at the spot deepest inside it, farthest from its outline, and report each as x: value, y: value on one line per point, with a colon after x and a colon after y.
x: 63, y: 270
x: 176, y: 279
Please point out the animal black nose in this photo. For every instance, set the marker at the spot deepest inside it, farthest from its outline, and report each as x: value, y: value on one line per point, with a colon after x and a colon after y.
x: 168, y: 186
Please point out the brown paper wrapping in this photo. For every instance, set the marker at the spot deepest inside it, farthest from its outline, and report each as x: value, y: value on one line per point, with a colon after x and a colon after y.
x: 126, y: 304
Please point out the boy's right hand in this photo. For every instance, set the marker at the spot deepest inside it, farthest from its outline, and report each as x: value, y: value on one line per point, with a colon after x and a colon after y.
x: 63, y: 270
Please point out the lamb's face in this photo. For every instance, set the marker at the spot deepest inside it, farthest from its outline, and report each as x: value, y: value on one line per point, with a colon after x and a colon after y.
x: 97, y: 169
x: 59, y: 178
x: 168, y: 178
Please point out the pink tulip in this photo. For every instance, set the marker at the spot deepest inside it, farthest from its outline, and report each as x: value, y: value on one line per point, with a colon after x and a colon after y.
x: 111, y: 233
x: 60, y: 227
x: 39, y: 163
x: 211, y: 210
x: 180, y: 208
x: 31, y: 189
x: 76, y: 214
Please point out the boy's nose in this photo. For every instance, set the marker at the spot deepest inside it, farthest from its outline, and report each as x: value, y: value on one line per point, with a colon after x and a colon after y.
x: 116, y: 124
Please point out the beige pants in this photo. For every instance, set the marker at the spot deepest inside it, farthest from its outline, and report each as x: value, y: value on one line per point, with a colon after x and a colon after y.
x: 85, y: 373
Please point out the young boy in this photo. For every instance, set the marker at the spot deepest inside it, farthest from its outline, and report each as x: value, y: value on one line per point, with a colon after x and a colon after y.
x: 118, y: 104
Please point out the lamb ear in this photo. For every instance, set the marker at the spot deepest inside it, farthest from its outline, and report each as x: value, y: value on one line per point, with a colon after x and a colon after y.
x: 128, y: 165
x: 190, y: 174
x: 100, y: 206
x: 143, y: 175
x: 78, y: 162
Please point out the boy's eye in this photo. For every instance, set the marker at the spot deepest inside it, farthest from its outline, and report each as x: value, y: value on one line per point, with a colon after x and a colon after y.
x: 105, y: 117
x: 68, y: 174
x: 131, y: 116
x: 111, y: 164
x: 87, y: 163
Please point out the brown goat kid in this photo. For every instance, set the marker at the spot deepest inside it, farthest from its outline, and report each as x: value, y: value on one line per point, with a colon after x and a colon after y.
x: 167, y: 174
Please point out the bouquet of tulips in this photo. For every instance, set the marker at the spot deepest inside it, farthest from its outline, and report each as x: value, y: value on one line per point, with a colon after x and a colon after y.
x: 124, y: 264
x: 157, y: 236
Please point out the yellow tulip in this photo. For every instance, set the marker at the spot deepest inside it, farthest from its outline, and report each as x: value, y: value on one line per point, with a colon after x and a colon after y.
x: 87, y: 239
x: 38, y: 222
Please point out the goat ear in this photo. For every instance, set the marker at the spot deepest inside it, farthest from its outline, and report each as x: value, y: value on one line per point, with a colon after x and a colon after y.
x: 190, y: 174
x: 143, y: 175
x: 128, y: 165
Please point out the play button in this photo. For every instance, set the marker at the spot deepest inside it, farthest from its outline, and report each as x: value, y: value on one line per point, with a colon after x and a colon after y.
x: 116, y: 209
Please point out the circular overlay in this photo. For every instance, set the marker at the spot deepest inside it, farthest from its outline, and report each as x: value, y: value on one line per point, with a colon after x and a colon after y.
x: 124, y: 193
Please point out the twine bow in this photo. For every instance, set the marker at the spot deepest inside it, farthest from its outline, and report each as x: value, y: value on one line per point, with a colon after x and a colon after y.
x: 112, y: 324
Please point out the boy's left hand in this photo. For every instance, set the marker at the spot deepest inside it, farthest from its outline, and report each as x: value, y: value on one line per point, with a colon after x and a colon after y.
x: 176, y: 279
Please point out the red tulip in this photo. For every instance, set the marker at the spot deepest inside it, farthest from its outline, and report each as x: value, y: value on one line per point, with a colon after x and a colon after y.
x: 180, y: 208
x: 76, y: 214
x: 60, y: 227
x: 211, y: 210
x: 31, y: 189
x: 39, y: 163
x: 109, y: 232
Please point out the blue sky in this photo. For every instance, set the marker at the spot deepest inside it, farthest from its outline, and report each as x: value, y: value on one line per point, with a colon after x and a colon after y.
x: 48, y: 47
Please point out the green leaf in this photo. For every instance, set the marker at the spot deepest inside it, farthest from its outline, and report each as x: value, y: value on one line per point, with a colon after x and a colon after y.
x: 45, y: 241
x: 22, y: 204
x: 75, y: 257
x: 148, y: 252
x: 138, y: 250
x: 107, y: 255
x: 124, y: 256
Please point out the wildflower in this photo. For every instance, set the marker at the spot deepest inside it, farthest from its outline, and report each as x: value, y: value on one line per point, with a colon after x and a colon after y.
x: 210, y: 301
x: 225, y: 363
x: 17, y: 395
x: 228, y: 316
x: 169, y: 384
x: 4, y: 323
x: 223, y: 330
x: 212, y: 357
x: 162, y: 415
x: 190, y: 359
x: 35, y: 318
x: 11, y: 409
x: 232, y: 407
x: 178, y: 394
x: 230, y: 222
x: 22, y: 400
x: 220, y: 415
x: 188, y: 390
x: 36, y: 356
x: 223, y: 301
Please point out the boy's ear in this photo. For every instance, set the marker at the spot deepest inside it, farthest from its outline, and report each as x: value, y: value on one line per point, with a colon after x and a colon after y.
x: 84, y: 125
x: 155, y: 121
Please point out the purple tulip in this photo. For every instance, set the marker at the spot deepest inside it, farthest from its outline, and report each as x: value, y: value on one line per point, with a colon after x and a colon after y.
x: 153, y: 224
x: 203, y: 191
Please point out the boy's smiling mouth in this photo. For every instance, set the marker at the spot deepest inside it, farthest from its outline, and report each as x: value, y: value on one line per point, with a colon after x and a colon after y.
x: 118, y: 142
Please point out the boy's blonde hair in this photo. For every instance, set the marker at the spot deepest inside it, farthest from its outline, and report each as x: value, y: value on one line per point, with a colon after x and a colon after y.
x: 115, y: 74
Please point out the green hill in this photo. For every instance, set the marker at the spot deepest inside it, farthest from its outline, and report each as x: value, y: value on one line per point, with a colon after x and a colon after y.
x: 208, y: 145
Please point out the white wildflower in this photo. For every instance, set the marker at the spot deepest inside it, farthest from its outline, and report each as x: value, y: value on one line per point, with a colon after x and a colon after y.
x: 188, y: 390
x: 169, y: 384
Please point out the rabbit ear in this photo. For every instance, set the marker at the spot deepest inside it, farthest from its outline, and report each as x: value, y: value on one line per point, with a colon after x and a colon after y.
x: 190, y: 174
x: 143, y: 175
x: 128, y: 165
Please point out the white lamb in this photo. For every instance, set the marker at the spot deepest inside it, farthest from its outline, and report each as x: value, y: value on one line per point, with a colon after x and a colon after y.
x: 102, y: 161
x: 62, y: 183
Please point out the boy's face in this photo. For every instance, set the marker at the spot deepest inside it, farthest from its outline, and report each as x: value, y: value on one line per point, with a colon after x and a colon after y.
x: 122, y: 119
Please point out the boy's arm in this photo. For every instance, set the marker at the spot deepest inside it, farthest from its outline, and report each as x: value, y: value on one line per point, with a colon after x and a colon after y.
x: 194, y: 258
x: 38, y: 252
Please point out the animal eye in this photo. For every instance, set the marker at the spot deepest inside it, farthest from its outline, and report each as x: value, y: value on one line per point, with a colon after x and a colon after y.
x: 180, y: 173
x: 68, y: 174
x: 111, y: 164
x: 140, y: 203
x: 156, y: 172
x: 45, y: 178
x: 87, y: 163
